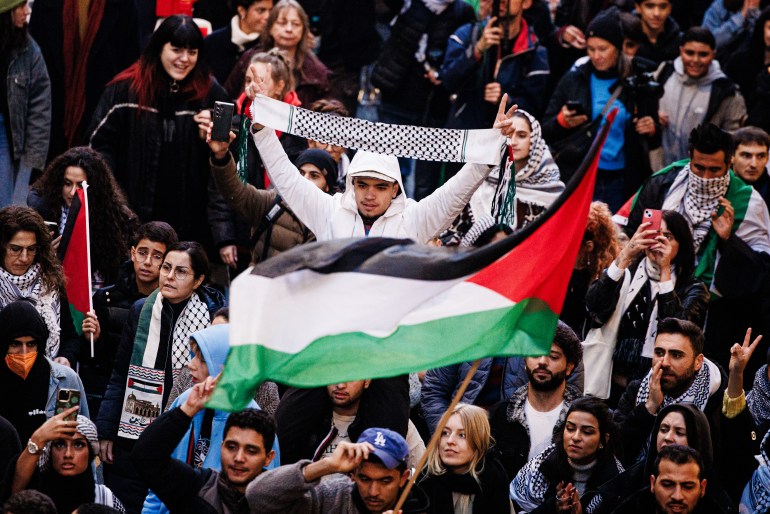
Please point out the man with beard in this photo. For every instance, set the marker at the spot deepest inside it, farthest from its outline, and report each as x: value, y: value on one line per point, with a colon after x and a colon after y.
x: 345, y: 399
x: 524, y: 424
x: 680, y: 374
x: 730, y: 225
x: 677, y: 486
x: 247, y: 448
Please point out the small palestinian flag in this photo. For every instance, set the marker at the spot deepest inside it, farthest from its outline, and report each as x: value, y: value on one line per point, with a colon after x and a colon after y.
x: 74, y: 253
x: 374, y: 307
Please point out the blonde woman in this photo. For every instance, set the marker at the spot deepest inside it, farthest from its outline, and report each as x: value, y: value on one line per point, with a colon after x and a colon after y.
x: 461, y: 475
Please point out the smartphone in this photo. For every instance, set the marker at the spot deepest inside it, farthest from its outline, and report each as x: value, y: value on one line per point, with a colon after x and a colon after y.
x: 577, y: 107
x: 654, y: 216
x: 223, y: 120
x: 53, y: 228
x: 65, y: 399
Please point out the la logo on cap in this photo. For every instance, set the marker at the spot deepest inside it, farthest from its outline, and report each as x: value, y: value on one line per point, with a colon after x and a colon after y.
x: 379, y: 440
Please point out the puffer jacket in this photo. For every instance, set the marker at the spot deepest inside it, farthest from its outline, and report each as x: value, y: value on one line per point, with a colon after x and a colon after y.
x: 523, y: 74
x: 252, y: 205
x: 336, y: 217
x: 666, y: 46
x: 29, y: 105
x: 712, y: 98
x: 511, y: 432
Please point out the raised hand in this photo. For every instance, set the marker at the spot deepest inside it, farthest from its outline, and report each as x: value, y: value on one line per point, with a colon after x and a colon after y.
x: 504, y: 119
x: 655, y: 398
x: 218, y: 148
x: 741, y: 353
x: 639, y: 242
x: 348, y: 456
x: 199, y: 395
x: 723, y: 224
x: 56, y: 427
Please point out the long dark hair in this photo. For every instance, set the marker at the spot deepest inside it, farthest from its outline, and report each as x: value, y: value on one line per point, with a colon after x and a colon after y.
x: 607, y: 430
x: 11, y: 36
x: 684, y: 262
x: 14, y: 219
x: 147, y: 76
x: 111, y: 221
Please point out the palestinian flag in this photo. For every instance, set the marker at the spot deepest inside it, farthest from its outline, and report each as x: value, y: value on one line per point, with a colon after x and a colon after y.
x: 74, y: 253
x: 368, y: 308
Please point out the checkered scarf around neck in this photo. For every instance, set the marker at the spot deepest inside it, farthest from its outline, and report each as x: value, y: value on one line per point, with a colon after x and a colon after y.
x: 758, y: 399
x: 87, y: 429
x: 706, y: 383
x: 535, y: 182
x: 143, y: 396
x: 425, y: 143
x: 701, y: 199
x: 30, y: 285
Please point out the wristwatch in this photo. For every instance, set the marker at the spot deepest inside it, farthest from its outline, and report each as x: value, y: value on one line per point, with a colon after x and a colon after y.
x: 32, y: 447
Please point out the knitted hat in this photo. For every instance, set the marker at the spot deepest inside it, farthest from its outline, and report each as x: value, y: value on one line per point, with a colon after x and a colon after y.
x: 606, y: 25
x: 321, y: 160
x: 7, y: 5
x: 19, y: 319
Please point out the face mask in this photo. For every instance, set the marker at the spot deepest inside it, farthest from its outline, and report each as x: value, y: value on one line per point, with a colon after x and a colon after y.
x: 21, y: 363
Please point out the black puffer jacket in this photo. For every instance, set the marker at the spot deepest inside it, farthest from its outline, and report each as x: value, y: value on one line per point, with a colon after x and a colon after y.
x: 666, y: 47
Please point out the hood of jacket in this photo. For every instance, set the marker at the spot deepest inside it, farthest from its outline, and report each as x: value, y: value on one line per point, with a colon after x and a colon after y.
x: 386, y: 165
x: 698, y: 434
x: 214, y: 343
x: 714, y: 72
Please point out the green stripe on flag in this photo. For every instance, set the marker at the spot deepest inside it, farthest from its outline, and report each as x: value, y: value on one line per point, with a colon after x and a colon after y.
x: 525, y: 328
x: 77, y: 319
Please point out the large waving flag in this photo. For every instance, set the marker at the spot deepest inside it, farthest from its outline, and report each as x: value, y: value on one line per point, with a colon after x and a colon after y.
x: 74, y: 254
x: 367, y: 308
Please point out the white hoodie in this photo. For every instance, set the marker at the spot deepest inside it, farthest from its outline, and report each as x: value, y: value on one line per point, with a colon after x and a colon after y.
x: 336, y: 217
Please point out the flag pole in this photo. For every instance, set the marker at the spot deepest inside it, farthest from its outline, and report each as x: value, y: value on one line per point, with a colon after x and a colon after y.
x: 436, y: 435
x: 88, y: 255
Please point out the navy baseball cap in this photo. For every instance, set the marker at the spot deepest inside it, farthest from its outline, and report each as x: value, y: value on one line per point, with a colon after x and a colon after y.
x: 389, y: 446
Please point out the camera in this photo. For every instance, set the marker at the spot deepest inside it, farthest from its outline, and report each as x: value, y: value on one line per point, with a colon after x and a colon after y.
x: 643, y: 89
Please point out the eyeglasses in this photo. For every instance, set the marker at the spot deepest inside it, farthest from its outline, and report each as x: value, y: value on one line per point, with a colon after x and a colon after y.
x: 180, y: 274
x: 16, y: 250
x: 78, y: 444
x: 142, y: 254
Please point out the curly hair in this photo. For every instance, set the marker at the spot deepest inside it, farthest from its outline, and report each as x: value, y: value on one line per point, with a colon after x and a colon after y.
x: 306, y: 43
x: 601, y: 230
x: 14, y: 219
x: 111, y: 221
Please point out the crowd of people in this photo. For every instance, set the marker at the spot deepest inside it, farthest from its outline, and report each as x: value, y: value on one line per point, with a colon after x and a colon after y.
x: 655, y: 394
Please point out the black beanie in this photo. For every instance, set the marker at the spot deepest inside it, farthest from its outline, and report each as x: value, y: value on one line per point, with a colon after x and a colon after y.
x: 606, y: 25
x: 323, y: 161
x: 19, y: 319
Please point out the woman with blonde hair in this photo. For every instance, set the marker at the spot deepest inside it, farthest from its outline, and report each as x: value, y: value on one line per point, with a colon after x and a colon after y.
x: 462, y: 476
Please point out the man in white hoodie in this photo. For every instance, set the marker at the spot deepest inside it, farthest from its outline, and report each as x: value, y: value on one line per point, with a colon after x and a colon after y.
x: 695, y: 91
x: 374, y: 202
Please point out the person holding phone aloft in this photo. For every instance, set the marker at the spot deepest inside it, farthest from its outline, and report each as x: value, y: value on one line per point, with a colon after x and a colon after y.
x: 650, y: 280
x: 57, y: 462
x: 622, y: 162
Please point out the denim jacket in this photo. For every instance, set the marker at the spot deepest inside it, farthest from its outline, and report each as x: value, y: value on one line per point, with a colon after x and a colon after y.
x: 29, y: 105
x: 63, y: 377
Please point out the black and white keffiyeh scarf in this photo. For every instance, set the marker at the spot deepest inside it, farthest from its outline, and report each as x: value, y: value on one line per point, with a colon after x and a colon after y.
x: 537, y: 183
x: 707, y: 381
x: 30, y: 285
x: 758, y: 399
x: 424, y: 143
x: 701, y: 199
